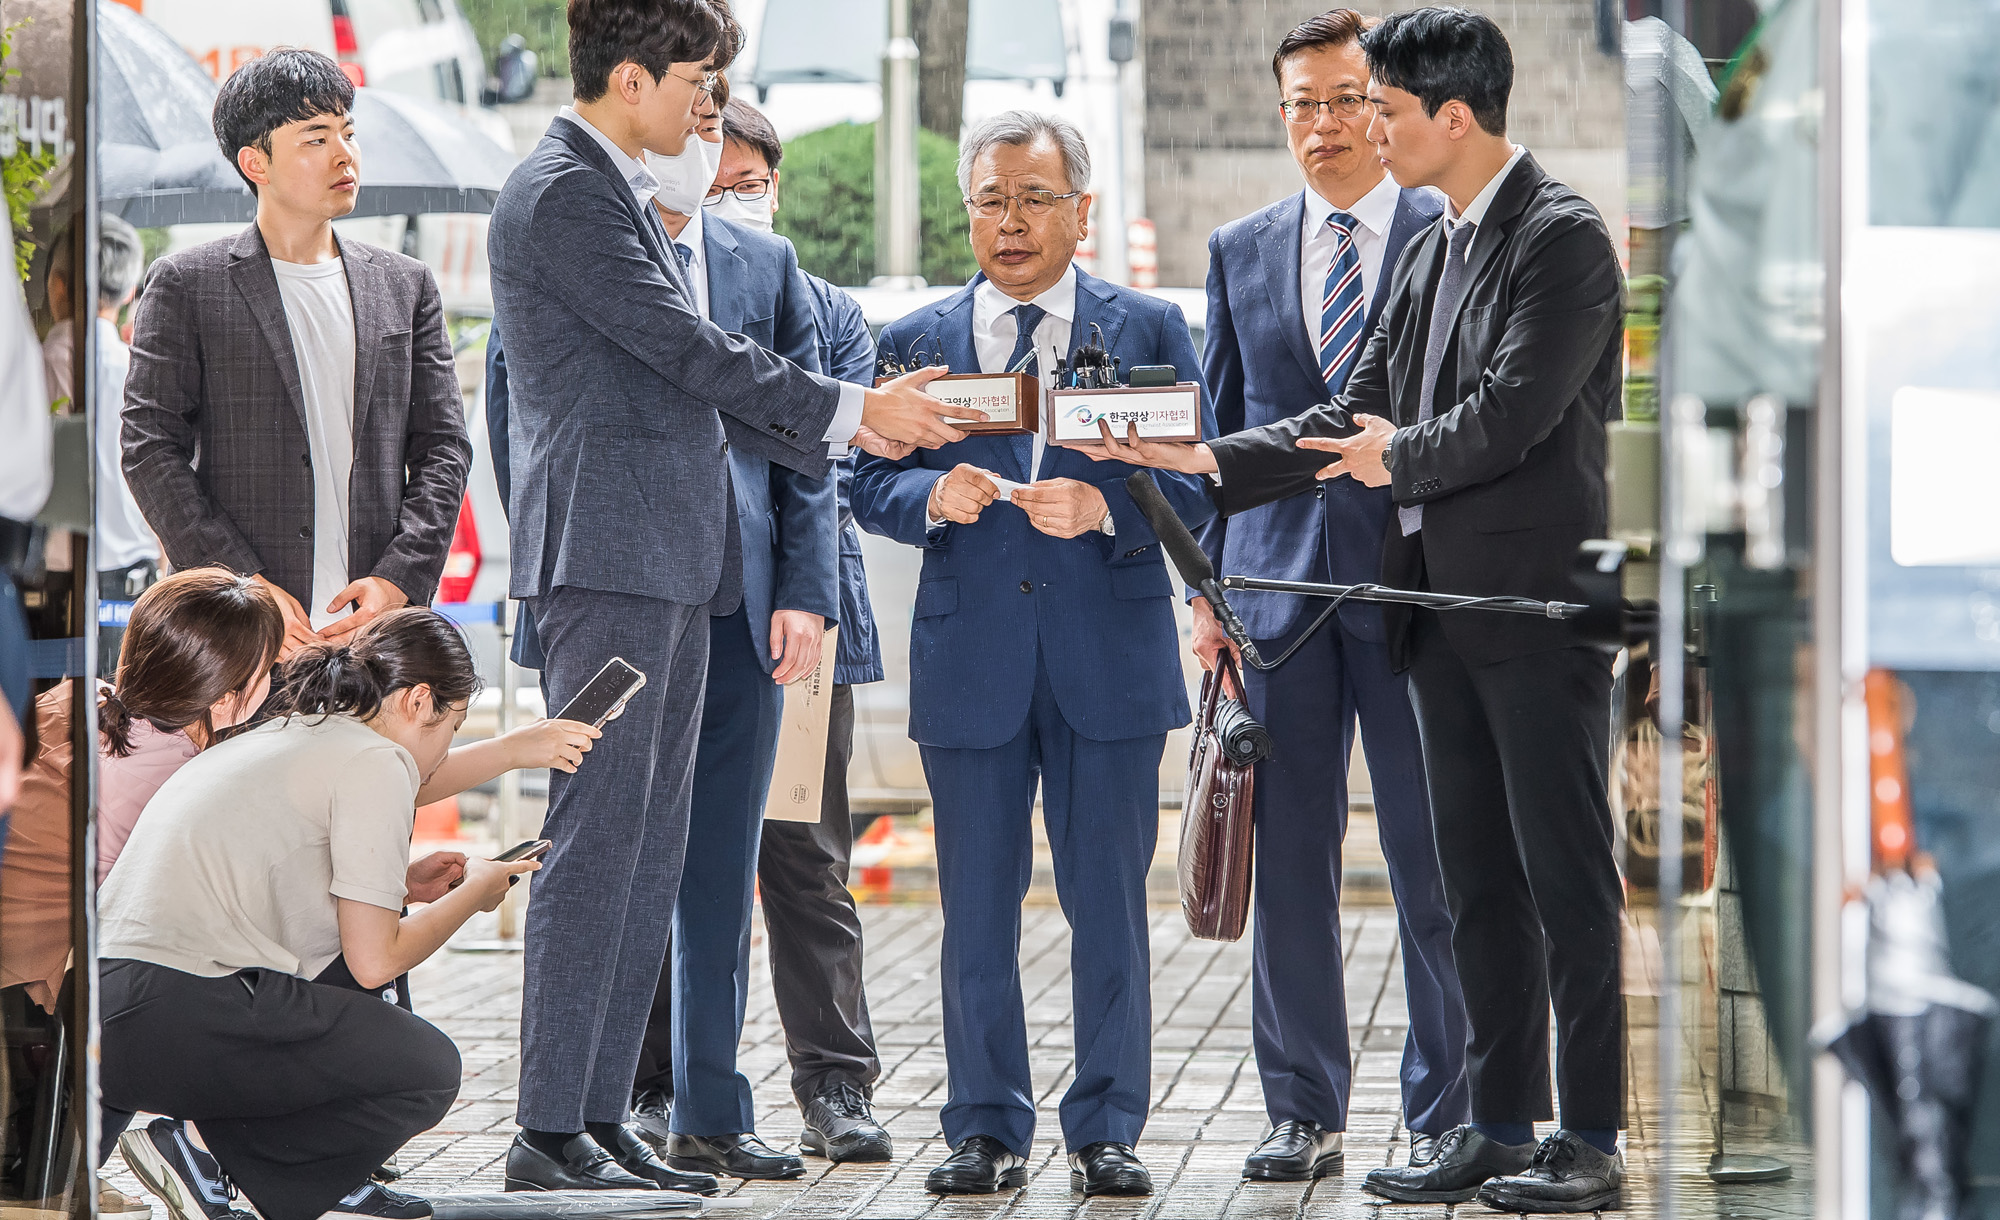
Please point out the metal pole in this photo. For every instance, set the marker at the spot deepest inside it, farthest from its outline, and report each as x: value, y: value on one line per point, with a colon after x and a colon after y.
x: 899, y: 229
x: 508, y: 803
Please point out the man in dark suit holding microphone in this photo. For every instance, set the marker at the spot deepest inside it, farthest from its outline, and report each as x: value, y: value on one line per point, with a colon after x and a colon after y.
x: 1481, y: 402
x: 1294, y: 289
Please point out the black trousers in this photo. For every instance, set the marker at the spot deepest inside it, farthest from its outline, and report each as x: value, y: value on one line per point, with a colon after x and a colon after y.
x: 815, y: 941
x: 815, y: 932
x: 1516, y: 753
x: 300, y: 1089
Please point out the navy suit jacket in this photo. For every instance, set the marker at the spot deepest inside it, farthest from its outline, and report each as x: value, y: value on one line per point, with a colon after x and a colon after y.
x: 630, y: 401
x: 1262, y: 366
x: 791, y: 554
x: 1098, y: 607
x: 847, y: 353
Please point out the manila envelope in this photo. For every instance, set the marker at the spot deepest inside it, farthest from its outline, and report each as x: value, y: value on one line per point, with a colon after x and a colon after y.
x: 800, y: 774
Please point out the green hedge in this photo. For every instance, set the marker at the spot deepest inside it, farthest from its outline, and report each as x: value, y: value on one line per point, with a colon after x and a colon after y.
x: 827, y: 205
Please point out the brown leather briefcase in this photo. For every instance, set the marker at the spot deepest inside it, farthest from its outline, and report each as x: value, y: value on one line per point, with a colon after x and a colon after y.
x: 1215, y: 816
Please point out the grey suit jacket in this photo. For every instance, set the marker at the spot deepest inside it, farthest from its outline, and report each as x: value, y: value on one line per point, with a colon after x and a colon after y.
x: 625, y: 401
x: 214, y: 430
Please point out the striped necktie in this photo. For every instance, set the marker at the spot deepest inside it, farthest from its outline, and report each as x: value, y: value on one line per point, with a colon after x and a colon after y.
x: 1342, y: 311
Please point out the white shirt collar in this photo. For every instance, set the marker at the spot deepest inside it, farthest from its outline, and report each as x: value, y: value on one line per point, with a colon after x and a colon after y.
x: 634, y: 173
x: 691, y: 237
x: 1476, y: 210
x: 1059, y: 301
x: 1376, y: 210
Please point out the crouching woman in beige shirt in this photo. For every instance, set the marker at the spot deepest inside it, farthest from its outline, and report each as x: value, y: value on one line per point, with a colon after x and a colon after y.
x: 257, y: 865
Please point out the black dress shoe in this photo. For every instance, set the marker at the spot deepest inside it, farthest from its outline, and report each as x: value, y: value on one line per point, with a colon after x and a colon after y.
x: 737, y: 1156
x: 1465, y: 1160
x: 1423, y: 1149
x: 841, y: 1127
x: 1567, y: 1175
x: 979, y: 1165
x: 1295, y: 1151
x: 652, y: 1111
x: 583, y: 1165
x: 635, y: 1156
x: 1105, y: 1168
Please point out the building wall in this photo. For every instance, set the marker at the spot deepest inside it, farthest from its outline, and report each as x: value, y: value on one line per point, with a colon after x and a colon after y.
x: 1215, y: 144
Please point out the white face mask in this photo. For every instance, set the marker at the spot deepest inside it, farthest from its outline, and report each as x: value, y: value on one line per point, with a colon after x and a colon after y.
x: 686, y: 176
x: 753, y: 214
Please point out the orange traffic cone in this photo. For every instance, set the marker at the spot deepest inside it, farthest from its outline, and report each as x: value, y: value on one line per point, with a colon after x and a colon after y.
x: 438, y: 820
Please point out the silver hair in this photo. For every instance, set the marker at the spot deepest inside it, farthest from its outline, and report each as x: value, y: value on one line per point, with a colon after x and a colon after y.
x: 1019, y: 127
x: 120, y: 259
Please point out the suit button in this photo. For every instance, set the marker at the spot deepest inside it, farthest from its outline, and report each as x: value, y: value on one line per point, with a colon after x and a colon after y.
x: 305, y: 531
x: 307, y: 458
x: 791, y: 435
x: 725, y: 446
x: 1027, y: 587
x: 1319, y: 491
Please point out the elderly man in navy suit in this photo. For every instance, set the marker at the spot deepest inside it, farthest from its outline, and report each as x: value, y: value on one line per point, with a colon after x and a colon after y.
x: 1294, y: 289
x: 1043, y: 648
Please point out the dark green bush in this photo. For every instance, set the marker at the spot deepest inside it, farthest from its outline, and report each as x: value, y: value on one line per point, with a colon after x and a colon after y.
x: 827, y: 205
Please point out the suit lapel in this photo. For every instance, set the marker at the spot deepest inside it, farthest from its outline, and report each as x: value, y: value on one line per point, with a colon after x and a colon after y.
x: 728, y: 277
x: 1494, y: 230
x: 652, y: 231
x: 1428, y: 254
x: 1410, y: 220
x: 1280, y: 244
x: 368, y: 291
x: 258, y: 284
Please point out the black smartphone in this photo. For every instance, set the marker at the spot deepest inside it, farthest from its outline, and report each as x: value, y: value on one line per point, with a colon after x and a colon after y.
x: 605, y: 695
x: 533, y: 849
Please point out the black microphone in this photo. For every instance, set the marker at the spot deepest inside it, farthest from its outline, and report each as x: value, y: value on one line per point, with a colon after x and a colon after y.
x: 1189, y: 560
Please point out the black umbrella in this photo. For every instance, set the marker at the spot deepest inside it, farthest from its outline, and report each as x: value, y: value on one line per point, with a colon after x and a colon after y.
x: 158, y: 162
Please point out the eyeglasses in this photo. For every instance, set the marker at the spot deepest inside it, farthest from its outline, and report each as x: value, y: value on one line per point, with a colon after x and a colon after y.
x: 992, y: 205
x: 749, y: 190
x: 706, y: 84
x: 1304, y: 110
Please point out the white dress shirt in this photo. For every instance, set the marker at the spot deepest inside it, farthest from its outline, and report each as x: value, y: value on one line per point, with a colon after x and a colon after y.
x: 847, y: 413
x: 994, y: 330
x: 697, y: 265
x: 1375, y: 212
x: 1476, y: 210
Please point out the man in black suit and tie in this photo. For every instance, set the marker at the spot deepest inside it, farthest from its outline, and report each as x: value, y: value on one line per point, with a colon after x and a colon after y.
x: 1480, y: 402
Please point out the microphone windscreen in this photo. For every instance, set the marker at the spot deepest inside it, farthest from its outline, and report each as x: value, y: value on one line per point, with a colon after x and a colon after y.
x: 1186, y: 554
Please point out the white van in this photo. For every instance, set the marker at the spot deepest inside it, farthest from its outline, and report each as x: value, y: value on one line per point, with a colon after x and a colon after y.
x: 423, y: 48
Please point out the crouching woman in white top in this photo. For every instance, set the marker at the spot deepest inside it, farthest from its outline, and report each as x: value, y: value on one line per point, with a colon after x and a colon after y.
x: 259, y: 863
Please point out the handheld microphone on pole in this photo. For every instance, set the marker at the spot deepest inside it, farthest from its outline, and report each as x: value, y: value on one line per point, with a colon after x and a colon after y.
x: 1603, y: 618
x: 1189, y: 560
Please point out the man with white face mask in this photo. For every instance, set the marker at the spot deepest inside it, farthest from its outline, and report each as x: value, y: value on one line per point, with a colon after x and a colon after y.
x: 813, y: 930
x: 748, y: 283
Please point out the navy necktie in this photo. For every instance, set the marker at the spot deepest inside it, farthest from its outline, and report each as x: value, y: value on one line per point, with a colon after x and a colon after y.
x: 1026, y: 319
x: 1342, y: 311
x: 1444, y: 315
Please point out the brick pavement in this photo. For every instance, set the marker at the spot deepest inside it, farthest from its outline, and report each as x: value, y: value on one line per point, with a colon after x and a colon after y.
x: 1208, y: 1108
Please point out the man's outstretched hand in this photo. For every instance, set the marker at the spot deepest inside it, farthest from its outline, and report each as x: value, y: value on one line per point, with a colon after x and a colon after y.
x: 1363, y: 456
x: 1188, y: 457
x: 901, y: 412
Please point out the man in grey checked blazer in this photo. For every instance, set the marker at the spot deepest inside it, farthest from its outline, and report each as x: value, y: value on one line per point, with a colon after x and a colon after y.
x: 219, y: 428
x: 624, y: 403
